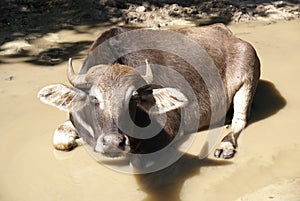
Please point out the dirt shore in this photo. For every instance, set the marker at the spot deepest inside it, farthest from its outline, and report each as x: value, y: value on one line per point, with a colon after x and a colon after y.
x: 30, y: 28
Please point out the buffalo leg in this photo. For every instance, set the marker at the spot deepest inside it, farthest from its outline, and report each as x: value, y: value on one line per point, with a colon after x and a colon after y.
x: 65, y: 137
x: 241, y: 104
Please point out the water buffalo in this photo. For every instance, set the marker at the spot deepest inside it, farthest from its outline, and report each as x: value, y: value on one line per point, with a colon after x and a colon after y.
x: 123, y: 85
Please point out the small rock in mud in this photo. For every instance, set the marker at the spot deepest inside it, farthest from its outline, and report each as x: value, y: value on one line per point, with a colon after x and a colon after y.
x: 140, y: 9
x: 10, y: 78
x: 279, y: 4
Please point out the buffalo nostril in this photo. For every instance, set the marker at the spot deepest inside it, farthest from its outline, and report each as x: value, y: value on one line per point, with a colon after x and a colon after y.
x: 122, y: 144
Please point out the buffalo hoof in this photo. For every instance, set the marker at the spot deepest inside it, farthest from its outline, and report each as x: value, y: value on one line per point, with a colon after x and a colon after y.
x: 226, y: 150
x: 65, y: 137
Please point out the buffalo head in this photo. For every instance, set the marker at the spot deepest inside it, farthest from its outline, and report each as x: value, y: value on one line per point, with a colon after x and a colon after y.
x: 109, y: 102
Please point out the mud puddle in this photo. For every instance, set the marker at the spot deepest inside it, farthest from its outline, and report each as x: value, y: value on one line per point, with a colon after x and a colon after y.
x: 269, y: 149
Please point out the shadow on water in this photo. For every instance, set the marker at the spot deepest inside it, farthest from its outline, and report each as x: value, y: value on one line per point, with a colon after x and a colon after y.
x: 166, y: 184
x: 267, y: 101
x: 53, y: 55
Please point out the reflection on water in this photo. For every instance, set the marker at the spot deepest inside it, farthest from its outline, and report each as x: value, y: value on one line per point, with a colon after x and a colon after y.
x: 269, y: 148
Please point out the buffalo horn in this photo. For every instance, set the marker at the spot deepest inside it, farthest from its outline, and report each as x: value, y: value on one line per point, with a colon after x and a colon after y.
x: 148, y: 77
x: 76, y: 80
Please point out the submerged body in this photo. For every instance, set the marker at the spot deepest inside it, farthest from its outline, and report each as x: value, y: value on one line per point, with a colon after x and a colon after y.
x: 110, y: 99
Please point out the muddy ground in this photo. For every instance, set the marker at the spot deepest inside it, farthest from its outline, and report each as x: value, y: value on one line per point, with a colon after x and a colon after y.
x: 37, y: 38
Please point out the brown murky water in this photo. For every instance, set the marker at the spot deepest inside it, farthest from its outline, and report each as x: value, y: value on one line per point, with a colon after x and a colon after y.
x: 269, y: 149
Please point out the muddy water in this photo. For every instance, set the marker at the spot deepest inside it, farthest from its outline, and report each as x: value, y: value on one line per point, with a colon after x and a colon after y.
x: 269, y: 149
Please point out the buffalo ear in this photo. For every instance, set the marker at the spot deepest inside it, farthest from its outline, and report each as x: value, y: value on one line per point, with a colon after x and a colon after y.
x: 162, y: 100
x: 63, y: 97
